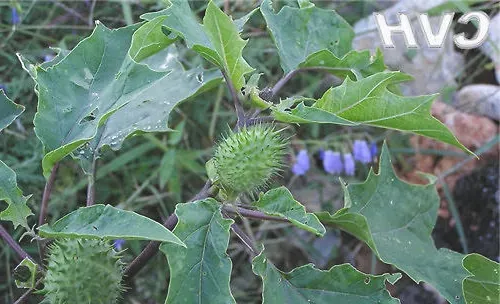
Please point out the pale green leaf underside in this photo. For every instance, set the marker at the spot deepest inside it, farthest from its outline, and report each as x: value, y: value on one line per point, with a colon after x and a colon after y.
x: 280, y: 202
x: 309, y: 285
x: 9, y: 110
x: 108, y: 222
x: 17, y: 211
x: 300, y: 32
x: 368, y: 101
x: 149, y: 39
x: 396, y: 220
x: 217, y: 39
x: 483, y: 285
x: 200, y: 272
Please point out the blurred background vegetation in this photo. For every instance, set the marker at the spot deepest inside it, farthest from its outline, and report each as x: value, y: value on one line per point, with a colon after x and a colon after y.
x: 153, y: 172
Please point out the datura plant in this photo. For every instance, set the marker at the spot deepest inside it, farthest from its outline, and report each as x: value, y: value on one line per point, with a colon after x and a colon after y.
x: 124, y: 82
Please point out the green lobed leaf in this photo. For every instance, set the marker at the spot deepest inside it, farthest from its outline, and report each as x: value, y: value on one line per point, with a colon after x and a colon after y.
x: 354, y: 64
x: 151, y: 114
x: 17, y: 211
x: 300, y: 32
x: 483, y: 285
x: 309, y: 285
x: 368, y: 101
x: 280, y: 202
x: 200, y: 272
x: 149, y: 39
x: 108, y: 222
x: 396, y: 219
x: 9, y: 110
x: 217, y: 40
x: 98, y: 89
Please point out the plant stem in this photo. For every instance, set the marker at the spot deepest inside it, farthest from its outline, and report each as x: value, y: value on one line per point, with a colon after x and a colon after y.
x: 240, y: 113
x: 46, y: 195
x: 152, y: 248
x: 25, y: 295
x: 260, y: 120
x: 245, y: 239
x: 14, y: 245
x: 91, y: 185
x: 42, y: 218
x: 281, y: 83
x: 253, y: 214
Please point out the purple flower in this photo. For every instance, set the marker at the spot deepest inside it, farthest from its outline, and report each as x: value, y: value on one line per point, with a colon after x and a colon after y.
x: 301, y: 165
x: 373, y: 150
x: 361, y: 151
x: 3, y: 87
x: 118, y: 244
x: 321, y: 154
x: 349, y: 165
x: 15, y: 16
x: 332, y: 162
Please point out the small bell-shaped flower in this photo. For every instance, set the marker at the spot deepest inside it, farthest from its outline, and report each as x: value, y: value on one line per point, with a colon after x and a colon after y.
x: 349, y: 166
x: 15, y: 16
x: 361, y: 151
x: 302, y: 164
x: 118, y: 244
x: 332, y: 162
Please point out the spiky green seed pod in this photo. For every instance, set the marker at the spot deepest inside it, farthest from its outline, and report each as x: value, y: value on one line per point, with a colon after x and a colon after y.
x: 246, y: 160
x: 82, y: 271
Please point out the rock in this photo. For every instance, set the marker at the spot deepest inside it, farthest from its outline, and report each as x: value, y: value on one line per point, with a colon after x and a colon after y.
x: 492, y: 45
x: 432, y: 68
x: 481, y: 99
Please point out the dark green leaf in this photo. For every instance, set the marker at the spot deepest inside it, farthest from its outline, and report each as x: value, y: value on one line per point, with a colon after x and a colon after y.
x: 396, y: 220
x: 280, y: 202
x: 309, y: 285
x: 300, y: 32
x: 200, y: 272
x: 483, y: 285
x: 368, y: 101
x: 217, y: 40
x: 108, y: 222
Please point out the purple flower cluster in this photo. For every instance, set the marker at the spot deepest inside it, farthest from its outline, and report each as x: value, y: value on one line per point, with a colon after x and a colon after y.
x: 118, y: 244
x: 302, y: 164
x: 334, y: 162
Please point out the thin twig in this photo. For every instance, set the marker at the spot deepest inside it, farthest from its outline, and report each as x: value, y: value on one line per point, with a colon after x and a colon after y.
x: 14, y: 245
x: 253, y: 214
x: 240, y: 113
x: 152, y: 248
x: 281, y: 83
x: 42, y: 218
x: 260, y: 120
x: 90, y: 20
x: 25, y: 295
x: 91, y: 184
x: 245, y: 239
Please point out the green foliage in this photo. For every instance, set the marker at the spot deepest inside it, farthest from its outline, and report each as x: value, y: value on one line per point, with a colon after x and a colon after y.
x: 108, y: 222
x: 300, y: 32
x: 307, y: 284
x: 82, y: 271
x: 217, y: 40
x: 280, y: 202
x: 369, y: 101
x: 396, y: 219
x: 247, y: 159
x: 483, y: 284
x: 199, y: 272
x: 8, y: 110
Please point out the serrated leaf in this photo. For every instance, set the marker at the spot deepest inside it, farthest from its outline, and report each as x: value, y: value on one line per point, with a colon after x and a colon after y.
x: 17, y: 211
x: 9, y: 110
x: 200, y: 272
x: 300, y: 32
x: 217, y: 40
x: 108, y: 222
x: 25, y: 274
x: 368, y: 101
x: 396, y: 220
x: 280, y: 202
x: 149, y: 39
x: 99, y: 86
x: 483, y: 285
x: 309, y: 285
